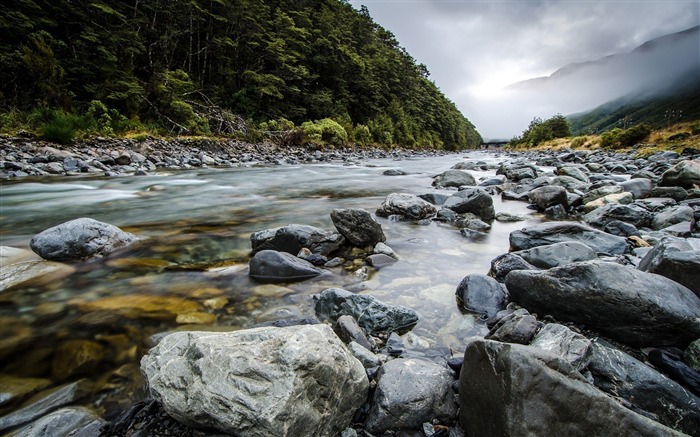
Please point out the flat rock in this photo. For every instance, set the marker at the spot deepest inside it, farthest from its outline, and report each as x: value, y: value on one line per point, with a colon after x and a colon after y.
x: 671, y: 216
x: 557, y: 254
x: 675, y: 259
x: 632, y: 214
x: 273, y: 266
x: 65, y: 422
x: 557, y: 232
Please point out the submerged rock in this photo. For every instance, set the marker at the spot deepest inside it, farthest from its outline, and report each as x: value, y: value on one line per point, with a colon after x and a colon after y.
x: 273, y: 266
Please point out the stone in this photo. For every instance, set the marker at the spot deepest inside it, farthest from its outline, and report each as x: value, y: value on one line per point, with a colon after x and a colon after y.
x: 557, y: 254
x: 600, y: 192
x: 373, y: 315
x: 272, y: 266
x: 676, y: 193
x: 506, y: 263
x: 32, y: 273
x: 473, y: 235
x: 517, y: 171
x: 672, y: 216
x: 481, y: 294
x: 547, y: 196
x: 492, y: 181
x: 517, y: 327
x: 692, y: 355
x: 472, y: 200
x: 568, y: 345
x: 621, y: 375
x: 410, y: 392
x: 571, y: 184
x: 675, y: 259
x: 640, y: 187
x: 685, y: 174
x: 508, y: 217
x: 573, y: 172
x: 393, y: 172
x: 292, y: 238
x: 632, y: 214
x: 671, y: 364
x: 434, y: 198
x: 406, y: 205
x: 298, y: 380
x: 65, y: 422
x: 358, y: 227
x: 349, y: 330
x: 76, y: 357
x: 515, y: 390
x: 79, y: 239
x: 621, y: 229
x: 621, y: 198
x: 379, y: 260
x: 453, y: 178
x: 630, y: 306
x: 365, y: 356
x: 14, y: 389
x: 556, y: 232
x: 136, y: 306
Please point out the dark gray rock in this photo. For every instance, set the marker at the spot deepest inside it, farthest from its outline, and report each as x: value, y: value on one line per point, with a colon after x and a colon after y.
x: 691, y: 355
x: 547, y: 196
x: 453, y: 178
x: 568, y: 345
x: 293, y: 238
x: 621, y: 375
x: 66, y: 422
x: 379, y: 260
x: 409, y: 393
x: 517, y: 327
x: 496, y: 180
x: 472, y: 200
x: 273, y: 266
x: 599, y: 192
x: 574, y: 172
x: 481, y: 294
x: 394, y: 172
x: 633, y: 307
x: 676, y: 193
x: 675, y: 259
x: 672, y: 216
x: 670, y: 362
x: 640, y: 187
x: 685, y: 174
x: 557, y: 254
x: 621, y: 229
x: 473, y: 235
x: 79, y: 239
x: 506, y: 263
x: 571, y: 184
x: 434, y: 198
x: 514, y: 390
x: 655, y: 204
x: 632, y: 214
x: 517, y: 171
x: 406, y: 205
x: 372, y: 315
x: 557, y: 232
x: 299, y: 380
x: 349, y: 330
x: 357, y: 226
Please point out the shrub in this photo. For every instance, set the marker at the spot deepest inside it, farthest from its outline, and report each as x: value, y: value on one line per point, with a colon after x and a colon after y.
x: 610, y: 138
x: 578, y: 141
x: 634, y: 135
x: 324, y: 131
x: 59, y: 129
x: 362, y: 135
x: 695, y: 129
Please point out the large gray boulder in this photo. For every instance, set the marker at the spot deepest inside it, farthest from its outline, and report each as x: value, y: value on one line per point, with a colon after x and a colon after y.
x: 517, y: 171
x: 557, y: 254
x: 672, y: 216
x: 633, y: 307
x: 292, y: 238
x: 515, y: 390
x: 620, y: 374
x: 639, y: 187
x: 481, y: 294
x: 557, y: 232
x: 472, y: 200
x: 550, y: 195
x: 675, y: 259
x: 685, y: 174
x: 357, y: 226
x: 79, y: 239
x: 407, y: 205
x: 453, y: 178
x: 632, y: 214
x: 568, y: 345
x: 273, y: 266
x: 292, y: 381
x: 372, y: 315
x: 409, y: 393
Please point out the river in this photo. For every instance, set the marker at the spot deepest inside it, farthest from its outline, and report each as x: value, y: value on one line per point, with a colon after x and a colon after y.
x: 195, y: 231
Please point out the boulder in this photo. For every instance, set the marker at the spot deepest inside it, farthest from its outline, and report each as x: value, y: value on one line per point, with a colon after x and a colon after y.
x: 573, y: 172
x: 517, y: 171
x: 409, y: 393
x: 622, y: 198
x: 600, y: 192
x: 481, y: 294
x: 676, y: 193
x: 79, y: 239
x: 675, y: 259
x: 557, y: 254
x: 297, y: 380
x: 633, y: 307
x: 514, y: 390
x: 293, y: 238
x: 453, y: 178
x: 407, y: 205
x: 547, y: 196
x: 273, y: 266
x: 556, y: 232
x: 357, y: 226
x: 506, y: 263
x: 568, y: 345
x: 632, y: 214
x: 685, y: 174
x: 373, y: 315
x: 639, y: 187
x: 518, y: 326
x: 571, y: 184
x: 670, y: 362
x: 472, y: 200
x: 621, y: 229
x: 619, y: 374
x: 65, y: 422
x: 672, y: 216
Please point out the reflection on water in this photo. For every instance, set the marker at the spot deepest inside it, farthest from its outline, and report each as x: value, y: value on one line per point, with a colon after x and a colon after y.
x: 189, y: 270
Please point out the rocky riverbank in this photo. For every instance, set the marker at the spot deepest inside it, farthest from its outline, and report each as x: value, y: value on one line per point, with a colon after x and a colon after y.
x: 592, y: 318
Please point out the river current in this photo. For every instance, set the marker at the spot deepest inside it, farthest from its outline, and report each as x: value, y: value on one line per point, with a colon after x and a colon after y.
x: 194, y: 228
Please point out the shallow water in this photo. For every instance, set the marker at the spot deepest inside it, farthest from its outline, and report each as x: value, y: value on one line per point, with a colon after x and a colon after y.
x: 192, y: 259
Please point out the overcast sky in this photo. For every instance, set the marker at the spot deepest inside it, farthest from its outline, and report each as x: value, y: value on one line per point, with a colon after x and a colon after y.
x: 474, y: 48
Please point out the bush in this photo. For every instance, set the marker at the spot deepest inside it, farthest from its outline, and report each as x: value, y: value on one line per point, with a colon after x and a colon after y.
x: 578, y: 141
x: 625, y: 138
x: 610, y: 138
x: 60, y: 128
x: 324, y: 131
x: 695, y: 129
x: 362, y: 135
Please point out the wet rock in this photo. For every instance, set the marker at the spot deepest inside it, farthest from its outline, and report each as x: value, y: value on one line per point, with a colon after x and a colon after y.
x: 685, y: 174
x: 32, y: 273
x: 273, y: 266
x: 670, y: 362
x: 293, y: 238
x: 517, y: 327
x: 557, y: 254
x: 672, y: 216
x: 136, y: 306
x: 379, y: 260
x: 434, y: 198
x: 676, y: 193
x: 65, y: 422
x: 632, y: 214
x: 621, y: 229
x: 357, y: 226
x: 195, y: 318
x: 573, y: 172
x: 507, y: 217
x: 496, y: 180
x: 675, y: 259
x: 621, y: 198
x: 349, y: 330
x: 600, y: 192
x: 472, y: 200
x: 547, y: 196
x: 368, y: 359
x: 692, y: 355
x: 76, y: 357
x: 556, y: 232
x: 481, y: 294
x: 410, y: 392
x: 14, y: 389
x: 630, y: 306
x: 394, y: 172
x: 406, y: 205
x: 572, y: 185
x: 453, y: 178
x: 79, y: 239
x: 298, y: 380
x: 640, y: 187
x: 373, y: 315
x: 517, y: 171
x: 568, y: 345
x: 506, y: 263
x: 619, y: 374
x: 514, y: 390
x: 472, y: 234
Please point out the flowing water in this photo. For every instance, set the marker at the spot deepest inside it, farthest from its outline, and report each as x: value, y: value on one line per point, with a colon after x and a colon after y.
x: 189, y: 269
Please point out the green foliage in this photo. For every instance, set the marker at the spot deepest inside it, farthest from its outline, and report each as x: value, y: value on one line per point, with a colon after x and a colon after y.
x: 578, y: 141
x: 540, y: 131
x: 695, y: 129
x: 59, y: 127
x: 324, y: 131
x: 617, y: 138
x: 610, y: 138
x: 362, y: 135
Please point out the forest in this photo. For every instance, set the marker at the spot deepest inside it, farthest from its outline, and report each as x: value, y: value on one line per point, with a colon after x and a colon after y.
x: 220, y: 67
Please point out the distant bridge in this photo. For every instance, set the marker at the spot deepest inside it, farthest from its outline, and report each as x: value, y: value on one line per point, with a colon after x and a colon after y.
x: 494, y: 144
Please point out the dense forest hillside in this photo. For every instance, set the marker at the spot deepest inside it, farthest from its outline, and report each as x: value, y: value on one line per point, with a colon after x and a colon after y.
x: 186, y: 65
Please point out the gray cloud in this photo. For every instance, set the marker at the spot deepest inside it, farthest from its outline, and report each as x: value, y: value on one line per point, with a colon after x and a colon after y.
x: 471, y: 47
